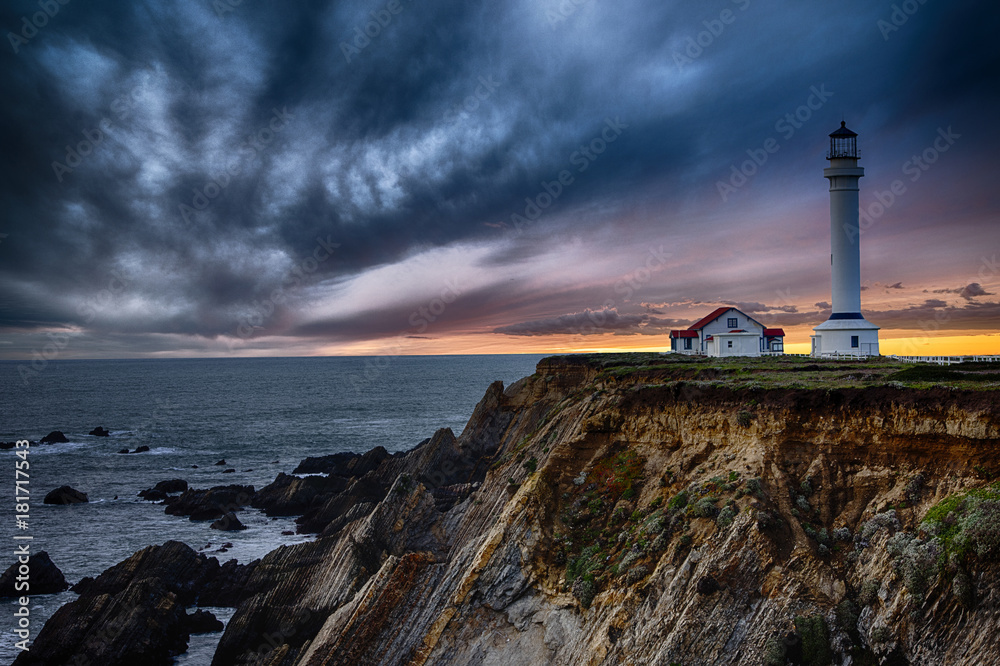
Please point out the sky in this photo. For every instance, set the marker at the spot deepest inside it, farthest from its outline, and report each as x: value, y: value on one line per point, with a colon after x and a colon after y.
x: 252, y: 178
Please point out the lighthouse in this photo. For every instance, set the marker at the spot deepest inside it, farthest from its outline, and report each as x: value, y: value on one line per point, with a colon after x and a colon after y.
x: 846, y: 331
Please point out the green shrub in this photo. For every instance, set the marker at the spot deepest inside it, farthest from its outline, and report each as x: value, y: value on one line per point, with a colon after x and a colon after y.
x: 815, y: 640
x: 656, y: 503
x: 806, y: 486
x: 961, y: 587
x: 869, y: 592
x: 774, y: 652
x: 755, y: 487
x: 584, y: 590
x: 881, y: 635
x: 726, y: 517
x: 635, y: 574
x: 704, y: 508
x: 916, y: 561
x: 847, y: 615
x: 744, y: 418
x: 678, y: 501
x: 531, y: 464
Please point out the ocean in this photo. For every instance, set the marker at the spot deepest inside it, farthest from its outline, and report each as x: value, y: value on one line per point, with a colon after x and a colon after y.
x: 262, y: 416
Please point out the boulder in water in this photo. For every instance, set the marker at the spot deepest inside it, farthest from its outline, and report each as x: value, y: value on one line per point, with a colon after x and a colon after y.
x: 65, y: 495
x: 228, y: 523
x: 54, y: 437
x: 100, y: 432
x: 44, y: 577
x: 203, y: 622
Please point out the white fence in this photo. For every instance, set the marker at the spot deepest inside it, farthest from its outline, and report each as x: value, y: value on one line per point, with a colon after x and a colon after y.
x: 946, y: 360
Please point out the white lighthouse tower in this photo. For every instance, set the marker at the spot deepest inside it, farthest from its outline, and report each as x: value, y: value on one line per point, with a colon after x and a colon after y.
x: 846, y: 331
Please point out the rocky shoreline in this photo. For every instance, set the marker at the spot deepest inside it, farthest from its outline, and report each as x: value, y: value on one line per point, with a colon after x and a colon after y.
x: 596, y: 517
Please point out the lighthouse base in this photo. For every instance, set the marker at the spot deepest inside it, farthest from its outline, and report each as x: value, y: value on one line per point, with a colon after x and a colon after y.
x: 845, y: 337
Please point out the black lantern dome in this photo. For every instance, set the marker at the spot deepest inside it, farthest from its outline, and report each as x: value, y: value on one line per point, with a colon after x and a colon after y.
x: 843, y: 143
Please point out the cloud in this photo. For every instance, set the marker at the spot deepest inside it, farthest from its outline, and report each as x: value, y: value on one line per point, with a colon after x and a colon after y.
x: 434, y: 136
x: 968, y: 292
x: 895, y: 285
x: 590, y: 322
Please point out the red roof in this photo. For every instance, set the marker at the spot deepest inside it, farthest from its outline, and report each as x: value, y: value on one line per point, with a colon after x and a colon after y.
x: 737, y: 330
x: 684, y: 334
x: 701, y: 323
x: 773, y: 333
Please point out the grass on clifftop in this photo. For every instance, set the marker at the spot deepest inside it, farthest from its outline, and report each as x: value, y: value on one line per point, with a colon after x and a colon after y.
x: 786, y: 371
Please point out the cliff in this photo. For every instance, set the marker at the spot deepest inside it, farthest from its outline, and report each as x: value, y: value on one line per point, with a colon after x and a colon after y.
x: 637, y: 510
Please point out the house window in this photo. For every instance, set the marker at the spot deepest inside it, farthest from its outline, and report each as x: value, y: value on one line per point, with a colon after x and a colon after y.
x: 730, y: 344
x: 687, y: 343
x: 733, y: 322
x: 854, y: 342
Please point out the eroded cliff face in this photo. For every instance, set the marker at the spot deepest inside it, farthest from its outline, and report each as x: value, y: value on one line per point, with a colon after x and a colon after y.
x: 584, y: 517
x: 622, y: 522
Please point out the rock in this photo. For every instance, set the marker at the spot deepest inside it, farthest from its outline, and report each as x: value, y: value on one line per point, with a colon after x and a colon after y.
x: 81, y: 587
x: 100, y: 432
x: 44, y: 577
x: 153, y: 495
x: 209, y: 504
x: 172, y: 486
x: 229, y: 471
x: 123, y: 451
x: 230, y: 586
x: 203, y: 622
x: 290, y: 495
x: 133, y: 613
x: 287, y: 532
x: 54, y: 437
x: 707, y: 585
x: 141, y: 449
x: 221, y: 462
x: 65, y: 495
x: 228, y: 523
x: 343, y: 464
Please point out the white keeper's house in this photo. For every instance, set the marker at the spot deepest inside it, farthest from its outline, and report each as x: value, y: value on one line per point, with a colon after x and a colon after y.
x: 728, y: 332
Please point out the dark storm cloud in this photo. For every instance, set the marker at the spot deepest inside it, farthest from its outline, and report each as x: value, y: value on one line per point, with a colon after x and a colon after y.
x: 591, y: 322
x: 968, y: 292
x: 452, y: 120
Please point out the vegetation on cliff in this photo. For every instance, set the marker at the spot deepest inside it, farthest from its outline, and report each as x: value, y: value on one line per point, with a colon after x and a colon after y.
x: 651, y: 509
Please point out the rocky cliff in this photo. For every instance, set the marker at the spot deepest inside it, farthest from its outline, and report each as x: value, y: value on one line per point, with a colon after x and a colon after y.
x: 596, y: 513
